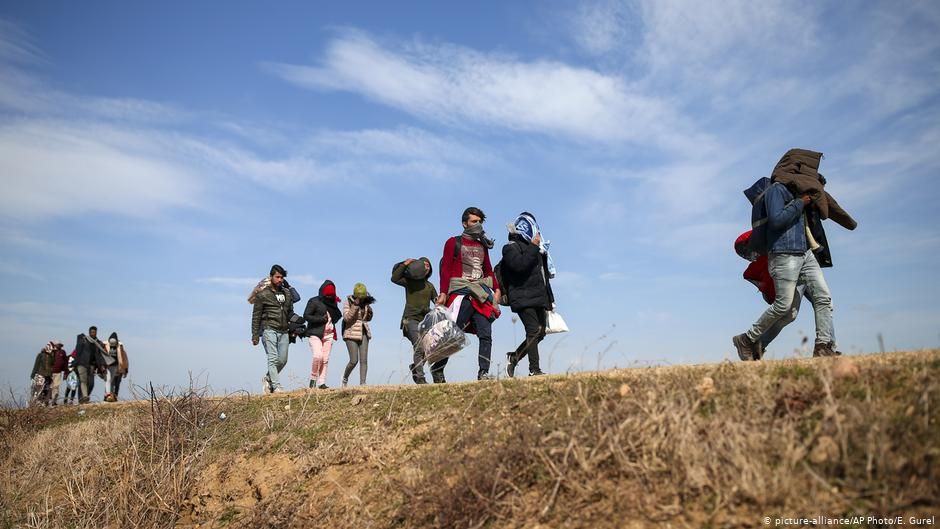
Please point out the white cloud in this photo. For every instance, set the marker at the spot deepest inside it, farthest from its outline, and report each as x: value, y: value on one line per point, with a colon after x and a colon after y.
x: 65, y: 154
x: 53, y: 169
x: 604, y: 26
x: 461, y: 86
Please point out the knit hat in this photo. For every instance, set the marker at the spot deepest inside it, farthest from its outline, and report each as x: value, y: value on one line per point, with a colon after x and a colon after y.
x: 416, y: 270
x: 360, y: 291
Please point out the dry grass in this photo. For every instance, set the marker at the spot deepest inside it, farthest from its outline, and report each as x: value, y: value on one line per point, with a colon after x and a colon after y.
x: 132, y: 467
x: 699, y: 446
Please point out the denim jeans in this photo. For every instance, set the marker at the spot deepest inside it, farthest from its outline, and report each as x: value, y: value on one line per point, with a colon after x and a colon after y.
x: 789, y: 273
x: 484, y: 329
x: 275, y: 345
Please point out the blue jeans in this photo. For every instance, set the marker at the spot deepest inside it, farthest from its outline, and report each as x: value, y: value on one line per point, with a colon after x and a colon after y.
x: 484, y: 331
x: 789, y: 273
x: 275, y: 345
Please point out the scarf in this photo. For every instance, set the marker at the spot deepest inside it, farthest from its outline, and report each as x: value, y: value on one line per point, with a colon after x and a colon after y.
x: 476, y: 233
x: 527, y: 227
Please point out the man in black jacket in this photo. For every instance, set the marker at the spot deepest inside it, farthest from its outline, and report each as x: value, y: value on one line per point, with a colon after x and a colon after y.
x: 87, y: 350
x: 525, y: 274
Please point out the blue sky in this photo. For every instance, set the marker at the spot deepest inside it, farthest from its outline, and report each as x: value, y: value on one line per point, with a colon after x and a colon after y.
x: 156, y: 159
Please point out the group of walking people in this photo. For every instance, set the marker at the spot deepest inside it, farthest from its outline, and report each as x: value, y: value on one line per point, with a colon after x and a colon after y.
x: 471, y: 289
x: 91, y: 356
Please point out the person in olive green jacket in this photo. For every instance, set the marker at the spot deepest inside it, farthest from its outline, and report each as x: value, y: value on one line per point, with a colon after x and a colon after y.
x: 413, y: 274
x: 272, y: 310
x: 41, y: 377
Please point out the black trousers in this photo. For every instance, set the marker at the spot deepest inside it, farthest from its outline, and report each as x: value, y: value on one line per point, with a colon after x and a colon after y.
x: 533, y: 320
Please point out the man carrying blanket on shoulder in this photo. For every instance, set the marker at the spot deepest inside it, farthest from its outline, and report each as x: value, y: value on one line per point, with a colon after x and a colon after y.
x: 469, y: 287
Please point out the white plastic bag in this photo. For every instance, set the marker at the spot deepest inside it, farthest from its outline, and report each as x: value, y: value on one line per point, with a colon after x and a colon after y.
x: 440, y: 336
x: 554, y: 323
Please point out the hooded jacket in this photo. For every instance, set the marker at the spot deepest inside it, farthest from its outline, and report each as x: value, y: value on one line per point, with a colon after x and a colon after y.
x: 43, y: 364
x: 318, y: 307
x: 524, y: 270
x: 419, y: 292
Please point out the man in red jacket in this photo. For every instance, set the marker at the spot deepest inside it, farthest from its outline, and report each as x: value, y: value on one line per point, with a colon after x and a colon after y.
x: 466, y: 271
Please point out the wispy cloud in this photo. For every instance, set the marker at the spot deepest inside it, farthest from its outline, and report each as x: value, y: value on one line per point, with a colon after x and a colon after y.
x: 465, y: 87
x: 64, y: 154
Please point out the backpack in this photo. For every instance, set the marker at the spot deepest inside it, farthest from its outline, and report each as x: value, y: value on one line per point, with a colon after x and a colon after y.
x: 504, y: 287
x: 757, y: 243
x: 458, y: 244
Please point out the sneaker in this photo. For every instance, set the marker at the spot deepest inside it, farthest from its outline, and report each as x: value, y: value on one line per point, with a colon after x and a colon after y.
x: 536, y: 373
x: 484, y: 376
x: 265, y: 385
x: 510, y: 364
x: 823, y: 349
x: 747, y: 350
x: 323, y: 386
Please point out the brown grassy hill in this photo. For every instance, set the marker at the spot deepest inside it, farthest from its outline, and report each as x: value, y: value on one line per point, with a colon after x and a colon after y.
x: 722, y: 445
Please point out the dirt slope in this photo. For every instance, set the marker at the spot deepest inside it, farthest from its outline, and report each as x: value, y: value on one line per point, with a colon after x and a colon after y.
x: 721, y: 445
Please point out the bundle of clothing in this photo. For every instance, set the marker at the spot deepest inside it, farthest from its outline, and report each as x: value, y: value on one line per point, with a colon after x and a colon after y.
x: 440, y: 337
x: 798, y: 169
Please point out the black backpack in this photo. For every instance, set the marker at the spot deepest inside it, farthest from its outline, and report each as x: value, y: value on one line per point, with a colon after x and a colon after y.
x: 458, y: 244
x: 503, y: 286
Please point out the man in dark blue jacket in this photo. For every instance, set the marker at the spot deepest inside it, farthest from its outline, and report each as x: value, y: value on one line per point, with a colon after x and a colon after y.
x: 791, y: 263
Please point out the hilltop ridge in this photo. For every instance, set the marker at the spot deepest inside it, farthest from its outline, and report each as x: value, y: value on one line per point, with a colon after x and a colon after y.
x: 717, y: 445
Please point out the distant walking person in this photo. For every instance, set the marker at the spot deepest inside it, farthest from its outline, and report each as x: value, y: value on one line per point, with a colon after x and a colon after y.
x: 41, y: 376
x: 60, y: 365
x: 71, y: 381
x: 272, y: 310
x: 322, y: 315
x: 413, y: 274
x: 467, y: 275
x: 791, y: 263
x: 525, y: 273
x: 87, y: 363
x: 116, y: 369
x: 357, y: 312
